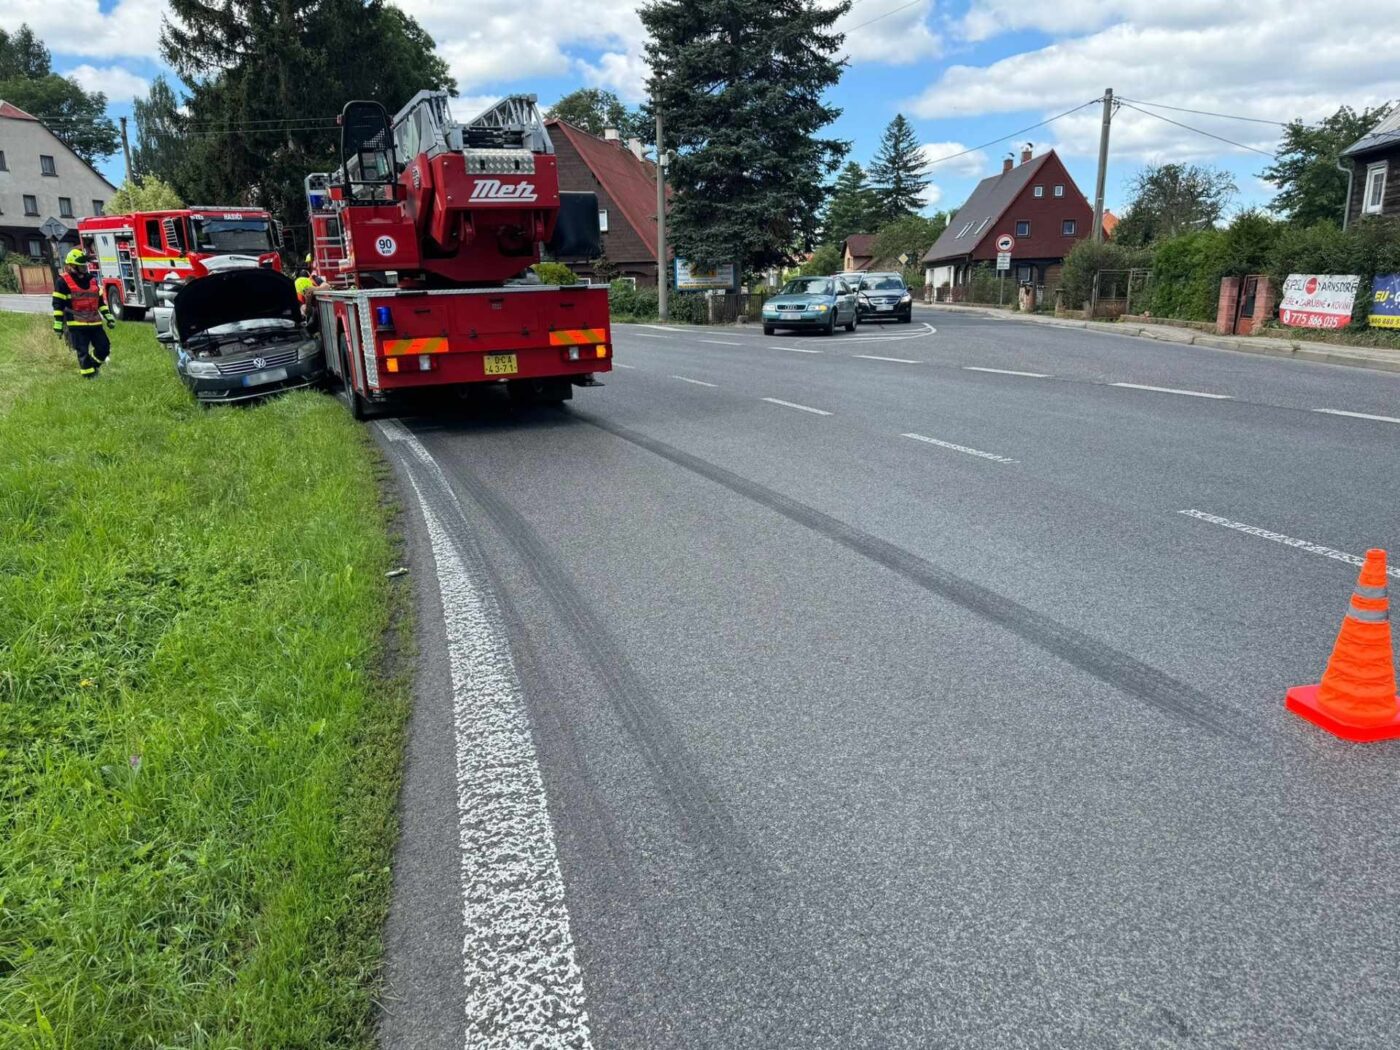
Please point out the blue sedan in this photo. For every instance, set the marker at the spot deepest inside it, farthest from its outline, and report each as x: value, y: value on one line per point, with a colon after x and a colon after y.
x: 811, y: 302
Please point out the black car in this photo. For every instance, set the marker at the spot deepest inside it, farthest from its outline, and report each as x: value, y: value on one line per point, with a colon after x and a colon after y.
x: 884, y: 297
x: 238, y: 334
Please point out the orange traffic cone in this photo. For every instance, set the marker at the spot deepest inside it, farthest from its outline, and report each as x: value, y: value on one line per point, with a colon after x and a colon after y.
x: 1356, y: 699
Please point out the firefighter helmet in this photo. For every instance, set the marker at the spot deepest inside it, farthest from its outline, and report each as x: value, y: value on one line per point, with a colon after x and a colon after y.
x: 75, y: 258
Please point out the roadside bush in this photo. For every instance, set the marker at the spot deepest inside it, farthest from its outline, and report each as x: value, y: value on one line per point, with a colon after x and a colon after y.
x: 1186, y: 275
x: 1366, y: 248
x: 826, y: 259
x: 688, y: 308
x: 1086, y: 258
x: 627, y: 303
x: 555, y: 273
x: 983, y: 286
x: 8, y: 282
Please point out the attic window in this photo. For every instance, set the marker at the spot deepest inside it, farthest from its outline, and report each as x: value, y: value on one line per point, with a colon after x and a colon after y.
x: 963, y: 231
x: 1059, y: 191
x: 46, y: 165
x: 1375, y: 189
x: 983, y: 225
x: 1040, y: 191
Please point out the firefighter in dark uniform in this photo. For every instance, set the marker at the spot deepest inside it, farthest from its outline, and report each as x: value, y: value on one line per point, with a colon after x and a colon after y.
x: 77, y: 303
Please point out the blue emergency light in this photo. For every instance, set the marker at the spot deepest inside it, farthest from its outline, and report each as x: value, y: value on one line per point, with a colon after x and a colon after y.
x: 382, y: 317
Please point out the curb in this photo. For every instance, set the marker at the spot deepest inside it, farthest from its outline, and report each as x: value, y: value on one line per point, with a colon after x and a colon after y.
x: 1318, y: 352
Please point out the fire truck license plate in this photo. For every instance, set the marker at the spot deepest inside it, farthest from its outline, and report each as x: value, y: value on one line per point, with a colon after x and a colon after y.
x: 501, y: 365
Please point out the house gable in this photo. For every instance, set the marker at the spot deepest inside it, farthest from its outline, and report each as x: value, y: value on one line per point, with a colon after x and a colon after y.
x: 1046, y: 216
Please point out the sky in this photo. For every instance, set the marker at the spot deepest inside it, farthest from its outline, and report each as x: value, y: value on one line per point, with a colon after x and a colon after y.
x: 965, y: 72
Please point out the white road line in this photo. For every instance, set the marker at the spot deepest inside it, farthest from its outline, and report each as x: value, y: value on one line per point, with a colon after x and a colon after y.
x: 619, y: 364
x: 961, y: 448
x: 723, y: 342
x: 520, y: 970
x: 896, y: 360
x: 800, y: 408
x: 697, y: 382
x: 1357, y: 415
x: 1173, y: 390
x: 1287, y: 541
x: 1008, y: 372
x: 659, y: 327
x: 795, y: 349
x: 649, y: 335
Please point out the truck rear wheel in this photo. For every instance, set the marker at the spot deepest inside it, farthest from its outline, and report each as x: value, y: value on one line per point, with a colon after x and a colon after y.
x: 120, y: 310
x: 345, y: 390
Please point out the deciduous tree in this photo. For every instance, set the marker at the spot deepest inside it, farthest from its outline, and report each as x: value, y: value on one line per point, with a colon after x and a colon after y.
x: 27, y: 80
x: 594, y: 110
x: 740, y: 86
x: 1311, y: 187
x: 1169, y: 199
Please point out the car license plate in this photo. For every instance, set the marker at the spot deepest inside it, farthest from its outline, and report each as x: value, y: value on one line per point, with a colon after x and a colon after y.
x: 884, y: 307
x: 272, y: 375
x: 501, y: 365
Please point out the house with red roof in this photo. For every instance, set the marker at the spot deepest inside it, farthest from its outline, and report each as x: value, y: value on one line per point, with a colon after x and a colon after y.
x: 41, y: 178
x: 1035, y: 203
x: 625, y: 182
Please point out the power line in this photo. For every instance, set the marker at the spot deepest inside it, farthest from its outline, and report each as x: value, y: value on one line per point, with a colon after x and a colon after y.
x: 1198, y: 131
x: 893, y: 10
x: 1207, y: 113
x: 1012, y: 135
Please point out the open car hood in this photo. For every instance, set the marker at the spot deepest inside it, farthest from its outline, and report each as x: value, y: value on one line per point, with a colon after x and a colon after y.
x: 234, y: 295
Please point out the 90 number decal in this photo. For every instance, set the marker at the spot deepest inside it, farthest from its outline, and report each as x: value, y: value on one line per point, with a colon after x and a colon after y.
x: 386, y: 246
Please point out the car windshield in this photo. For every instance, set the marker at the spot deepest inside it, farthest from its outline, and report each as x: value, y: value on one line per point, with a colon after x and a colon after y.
x: 882, y: 284
x: 809, y: 286
x: 222, y: 234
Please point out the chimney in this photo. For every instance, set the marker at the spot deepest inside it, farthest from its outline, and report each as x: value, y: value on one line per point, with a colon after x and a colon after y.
x: 612, y: 134
x: 1006, y: 164
x: 1026, y: 153
x: 635, y: 145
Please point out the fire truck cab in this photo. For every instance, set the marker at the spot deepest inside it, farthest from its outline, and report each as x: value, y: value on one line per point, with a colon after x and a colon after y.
x: 142, y: 258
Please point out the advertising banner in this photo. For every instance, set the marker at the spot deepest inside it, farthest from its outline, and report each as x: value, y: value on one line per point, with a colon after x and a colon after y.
x: 1385, y: 301
x: 690, y: 279
x: 1318, y: 300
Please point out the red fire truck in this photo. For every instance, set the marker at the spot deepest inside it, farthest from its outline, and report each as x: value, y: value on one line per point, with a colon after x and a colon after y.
x: 135, y: 254
x: 426, y: 235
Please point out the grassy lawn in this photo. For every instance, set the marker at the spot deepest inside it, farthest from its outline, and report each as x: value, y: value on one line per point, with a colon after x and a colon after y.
x: 200, y: 719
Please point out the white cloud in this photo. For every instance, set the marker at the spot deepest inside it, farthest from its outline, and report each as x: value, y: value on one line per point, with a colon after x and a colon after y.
x: 118, y: 84
x: 955, y: 160
x: 130, y: 29
x: 1274, y: 60
x: 892, y: 32
x: 933, y: 193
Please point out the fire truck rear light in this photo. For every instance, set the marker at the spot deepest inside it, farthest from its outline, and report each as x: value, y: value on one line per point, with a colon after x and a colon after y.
x: 573, y: 353
x: 383, y: 317
x: 392, y: 364
x: 425, y: 362
x: 602, y: 350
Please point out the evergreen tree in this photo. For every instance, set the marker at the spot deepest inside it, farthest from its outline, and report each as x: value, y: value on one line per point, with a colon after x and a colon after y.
x: 1311, y: 187
x: 852, y: 207
x: 739, y: 84
x: 267, y: 77
x: 899, y: 172
x: 27, y: 80
x: 161, y: 148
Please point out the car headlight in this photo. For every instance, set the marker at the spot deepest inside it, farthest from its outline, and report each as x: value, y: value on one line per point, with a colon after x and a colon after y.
x: 821, y: 308
x: 308, y: 349
x: 201, y: 369
x: 864, y: 299
x: 907, y: 297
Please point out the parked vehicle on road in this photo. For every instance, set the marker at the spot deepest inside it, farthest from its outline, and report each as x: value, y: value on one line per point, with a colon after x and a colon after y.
x: 134, y: 255
x: 821, y: 303
x: 238, y: 335
x: 884, y: 297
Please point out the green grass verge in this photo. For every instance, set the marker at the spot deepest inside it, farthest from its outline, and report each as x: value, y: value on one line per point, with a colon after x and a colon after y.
x: 200, y: 709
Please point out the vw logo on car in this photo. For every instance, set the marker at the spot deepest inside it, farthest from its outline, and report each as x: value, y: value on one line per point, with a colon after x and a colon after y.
x: 259, y: 363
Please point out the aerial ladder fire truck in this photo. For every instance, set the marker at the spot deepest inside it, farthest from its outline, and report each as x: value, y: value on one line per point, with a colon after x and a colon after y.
x: 426, y: 235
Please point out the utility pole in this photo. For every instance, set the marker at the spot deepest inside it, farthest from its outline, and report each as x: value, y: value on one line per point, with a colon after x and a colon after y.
x: 126, y: 149
x: 1103, y: 164
x: 662, y: 307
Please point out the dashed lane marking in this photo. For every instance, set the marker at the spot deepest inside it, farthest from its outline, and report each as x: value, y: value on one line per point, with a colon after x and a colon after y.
x: 722, y: 342
x: 697, y: 382
x: 1278, y: 537
x: 619, y: 364
x: 650, y: 335
x: 1357, y: 415
x: 796, y: 350
x: 1007, y: 372
x: 659, y: 327
x: 800, y: 408
x: 1174, y: 390
x: 961, y: 448
x: 522, y: 984
x: 896, y: 360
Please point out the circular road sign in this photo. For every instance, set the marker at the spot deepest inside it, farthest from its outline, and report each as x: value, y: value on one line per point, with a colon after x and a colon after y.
x: 1005, y: 242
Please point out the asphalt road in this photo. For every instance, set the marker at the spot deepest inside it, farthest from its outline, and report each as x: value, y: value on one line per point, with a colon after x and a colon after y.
x: 878, y: 690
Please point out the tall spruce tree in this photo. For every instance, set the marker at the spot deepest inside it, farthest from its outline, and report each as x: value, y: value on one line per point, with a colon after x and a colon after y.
x: 739, y: 84
x: 265, y: 76
x: 852, y: 208
x: 162, y: 144
x: 898, y: 172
